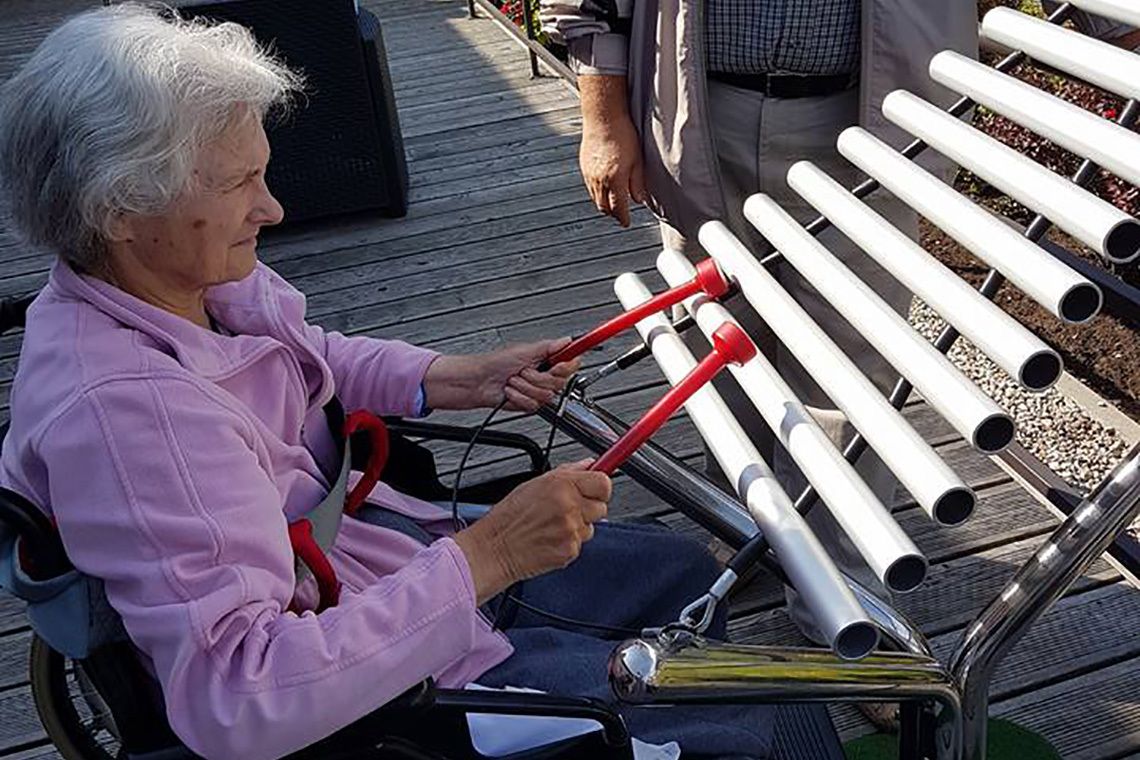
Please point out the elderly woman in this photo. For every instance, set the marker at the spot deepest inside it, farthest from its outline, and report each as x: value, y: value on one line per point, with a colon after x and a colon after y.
x: 167, y: 414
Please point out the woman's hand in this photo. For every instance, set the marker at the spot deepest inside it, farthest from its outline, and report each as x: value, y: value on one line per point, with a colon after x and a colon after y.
x: 483, y: 380
x: 539, y: 527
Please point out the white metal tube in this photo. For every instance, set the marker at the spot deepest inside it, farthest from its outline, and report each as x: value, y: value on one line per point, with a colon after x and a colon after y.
x: 969, y: 411
x: 1120, y: 10
x: 835, y: 611
x: 1096, y: 223
x: 1115, y: 69
x: 933, y: 485
x: 1047, y: 281
x: 1001, y: 337
x: 867, y: 522
x: 1084, y: 133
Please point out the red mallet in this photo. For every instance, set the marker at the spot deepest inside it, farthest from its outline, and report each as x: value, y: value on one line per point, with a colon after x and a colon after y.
x: 730, y: 344
x: 709, y: 280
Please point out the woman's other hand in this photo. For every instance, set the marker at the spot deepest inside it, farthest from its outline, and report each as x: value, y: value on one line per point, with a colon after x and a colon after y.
x: 540, y: 526
x: 483, y: 380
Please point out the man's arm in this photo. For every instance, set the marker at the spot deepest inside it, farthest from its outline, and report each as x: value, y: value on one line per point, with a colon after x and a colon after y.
x: 594, y: 32
x: 610, y: 154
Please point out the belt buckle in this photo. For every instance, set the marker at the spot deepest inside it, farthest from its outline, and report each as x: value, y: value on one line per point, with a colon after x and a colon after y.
x: 773, y: 81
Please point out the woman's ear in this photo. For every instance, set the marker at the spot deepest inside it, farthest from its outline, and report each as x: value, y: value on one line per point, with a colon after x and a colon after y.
x: 121, y: 228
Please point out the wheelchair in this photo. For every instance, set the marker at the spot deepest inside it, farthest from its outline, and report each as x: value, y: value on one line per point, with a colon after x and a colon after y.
x: 106, y: 706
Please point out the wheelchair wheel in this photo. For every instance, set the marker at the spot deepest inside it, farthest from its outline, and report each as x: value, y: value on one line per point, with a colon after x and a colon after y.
x: 73, y: 715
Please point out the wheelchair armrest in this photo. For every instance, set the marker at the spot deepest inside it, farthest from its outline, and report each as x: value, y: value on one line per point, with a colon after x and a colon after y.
x: 435, y: 721
x: 469, y: 702
x: 45, y: 553
x: 460, y: 434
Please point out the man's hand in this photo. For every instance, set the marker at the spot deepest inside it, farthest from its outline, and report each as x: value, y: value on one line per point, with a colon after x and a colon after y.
x: 540, y: 526
x: 483, y: 380
x: 610, y: 155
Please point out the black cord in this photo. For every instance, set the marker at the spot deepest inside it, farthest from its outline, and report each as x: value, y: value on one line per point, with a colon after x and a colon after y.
x: 567, y: 389
x: 456, y: 523
x: 510, y: 596
x: 566, y: 620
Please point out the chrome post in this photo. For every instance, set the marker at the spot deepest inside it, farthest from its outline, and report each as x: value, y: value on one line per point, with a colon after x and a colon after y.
x: 1067, y: 553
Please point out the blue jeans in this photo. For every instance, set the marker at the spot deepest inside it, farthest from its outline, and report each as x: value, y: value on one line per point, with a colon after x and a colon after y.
x: 628, y: 576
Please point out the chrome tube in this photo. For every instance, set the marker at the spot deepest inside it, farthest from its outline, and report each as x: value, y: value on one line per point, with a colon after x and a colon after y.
x: 658, y: 471
x: 940, y: 492
x: 1083, y: 132
x: 1100, y: 63
x: 813, y: 574
x: 1064, y: 556
x: 1119, y: 10
x: 901, y: 634
x: 696, y: 671
x: 867, y: 522
x: 1047, y: 281
x: 1095, y: 222
x: 999, y: 336
x: 971, y: 412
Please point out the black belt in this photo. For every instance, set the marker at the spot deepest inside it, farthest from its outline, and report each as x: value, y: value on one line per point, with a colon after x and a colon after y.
x: 788, y: 85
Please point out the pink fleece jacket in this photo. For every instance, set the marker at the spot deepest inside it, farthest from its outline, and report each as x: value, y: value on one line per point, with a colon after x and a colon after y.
x: 172, y: 459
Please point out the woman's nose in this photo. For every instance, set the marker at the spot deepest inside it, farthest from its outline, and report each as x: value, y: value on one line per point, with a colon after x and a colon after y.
x: 267, y: 211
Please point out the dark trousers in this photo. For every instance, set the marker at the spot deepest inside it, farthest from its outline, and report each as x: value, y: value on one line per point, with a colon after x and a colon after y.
x: 628, y: 576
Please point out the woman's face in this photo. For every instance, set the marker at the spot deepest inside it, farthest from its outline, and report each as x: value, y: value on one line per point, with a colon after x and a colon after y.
x: 209, y: 235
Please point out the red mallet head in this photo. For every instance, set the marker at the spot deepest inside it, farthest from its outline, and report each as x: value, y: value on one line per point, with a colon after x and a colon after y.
x: 711, y: 279
x: 733, y: 344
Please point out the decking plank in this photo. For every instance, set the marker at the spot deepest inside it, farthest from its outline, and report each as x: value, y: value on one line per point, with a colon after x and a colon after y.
x: 485, y: 261
x: 1091, y: 717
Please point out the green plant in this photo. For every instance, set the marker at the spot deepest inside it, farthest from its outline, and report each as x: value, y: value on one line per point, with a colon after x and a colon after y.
x: 513, y: 9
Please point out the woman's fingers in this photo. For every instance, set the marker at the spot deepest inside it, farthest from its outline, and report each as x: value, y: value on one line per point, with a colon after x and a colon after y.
x: 520, y: 402
x: 547, y: 380
x: 535, y: 392
x: 566, y: 369
x: 594, y: 510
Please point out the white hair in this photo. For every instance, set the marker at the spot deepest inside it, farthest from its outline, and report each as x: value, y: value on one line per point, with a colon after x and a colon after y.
x: 108, y: 115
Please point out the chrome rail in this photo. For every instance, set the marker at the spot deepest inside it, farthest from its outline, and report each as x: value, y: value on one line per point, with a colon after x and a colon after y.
x: 696, y: 671
x: 657, y: 470
x: 1040, y: 582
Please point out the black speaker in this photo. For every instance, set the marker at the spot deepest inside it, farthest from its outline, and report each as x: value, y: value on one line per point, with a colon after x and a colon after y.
x: 340, y: 150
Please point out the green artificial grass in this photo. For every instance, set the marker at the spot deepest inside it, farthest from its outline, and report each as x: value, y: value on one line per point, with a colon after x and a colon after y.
x: 1006, y: 741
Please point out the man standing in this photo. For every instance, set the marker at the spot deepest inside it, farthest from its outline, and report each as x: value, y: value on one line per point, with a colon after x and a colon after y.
x: 690, y: 106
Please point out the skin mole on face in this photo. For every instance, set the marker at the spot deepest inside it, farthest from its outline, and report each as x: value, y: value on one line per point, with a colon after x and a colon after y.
x: 199, y: 223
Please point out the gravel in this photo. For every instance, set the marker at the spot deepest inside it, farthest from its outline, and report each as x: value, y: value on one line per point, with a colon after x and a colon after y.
x: 1051, y: 426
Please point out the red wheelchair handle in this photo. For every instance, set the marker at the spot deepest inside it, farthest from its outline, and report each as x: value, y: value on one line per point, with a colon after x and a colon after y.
x: 306, y: 549
x: 377, y: 455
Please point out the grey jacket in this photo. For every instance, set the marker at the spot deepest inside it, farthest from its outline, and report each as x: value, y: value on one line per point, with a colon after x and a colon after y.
x: 663, y: 58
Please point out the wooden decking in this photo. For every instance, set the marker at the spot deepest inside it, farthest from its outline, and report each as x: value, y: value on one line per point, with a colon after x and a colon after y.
x: 502, y: 244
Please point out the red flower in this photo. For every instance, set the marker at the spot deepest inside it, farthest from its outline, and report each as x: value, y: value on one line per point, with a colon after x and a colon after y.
x: 1110, y: 113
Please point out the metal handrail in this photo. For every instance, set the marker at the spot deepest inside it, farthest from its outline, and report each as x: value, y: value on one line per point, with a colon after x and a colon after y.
x: 527, y: 36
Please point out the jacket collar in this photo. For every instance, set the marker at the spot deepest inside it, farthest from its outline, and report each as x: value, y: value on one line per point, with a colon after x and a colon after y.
x: 248, y: 308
